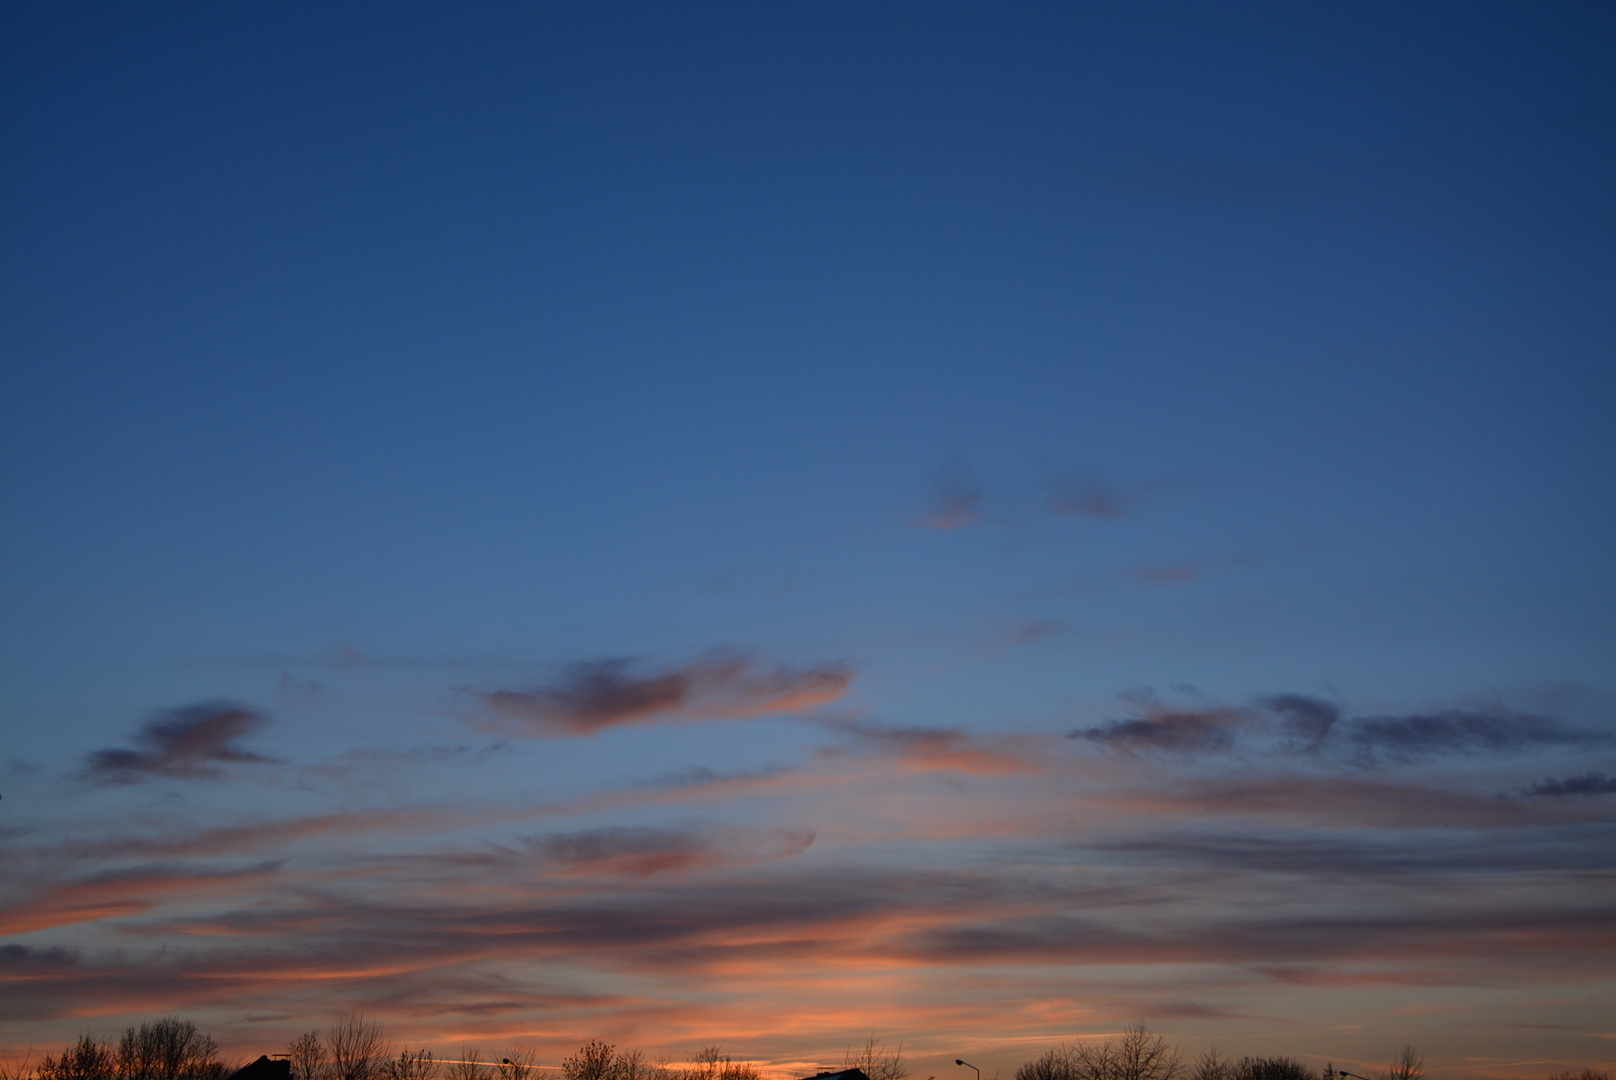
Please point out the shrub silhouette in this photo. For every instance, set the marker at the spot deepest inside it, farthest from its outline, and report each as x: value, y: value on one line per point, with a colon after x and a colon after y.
x: 357, y: 1049
x: 711, y: 1063
x: 594, y: 1060
x: 1137, y: 1055
x: 520, y: 1064
x: 307, y: 1056
x: 87, y: 1059
x: 166, y: 1049
x: 1407, y: 1065
x: 875, y: 1061
x: 419, y: 1065
x: 1272, y: 1068
x: 1212, y: 1067
x: 470, y: 1066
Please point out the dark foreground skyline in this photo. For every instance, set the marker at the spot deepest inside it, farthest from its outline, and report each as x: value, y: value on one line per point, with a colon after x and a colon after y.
x: 689, y: 524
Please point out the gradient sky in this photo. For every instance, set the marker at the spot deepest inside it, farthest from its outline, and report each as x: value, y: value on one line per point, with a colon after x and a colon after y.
x: 765, y: 524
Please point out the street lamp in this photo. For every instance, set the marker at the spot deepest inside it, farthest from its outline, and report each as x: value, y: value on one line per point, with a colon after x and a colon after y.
x: 968, y: 1065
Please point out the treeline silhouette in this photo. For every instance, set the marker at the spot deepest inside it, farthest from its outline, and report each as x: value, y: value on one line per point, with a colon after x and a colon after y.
x: 166, y: 1049
x: 359, y: 1049
x: 1140, y: 1054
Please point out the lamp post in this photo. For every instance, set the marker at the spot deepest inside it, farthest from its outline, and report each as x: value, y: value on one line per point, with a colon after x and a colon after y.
x: 968, y: 1065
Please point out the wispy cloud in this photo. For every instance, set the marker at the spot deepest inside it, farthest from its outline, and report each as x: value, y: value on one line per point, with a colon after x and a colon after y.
x: 252, y: 836
x: 896, y: 850
x: 187, y: 742
x: 1088, y: 495
x: 1594, y: 783
x: 1182, y: 731
x: 112, y: 894
x: 1384, y: 854
x: 1168, y: 574
x: 593, y: 696
x: 1038, y: 631
x: 1302, y: 725
x: 1307, y: 721
x: 1406, y: 739
x: 955, y: 499
x: 940, y: 748
x: 642, y: 852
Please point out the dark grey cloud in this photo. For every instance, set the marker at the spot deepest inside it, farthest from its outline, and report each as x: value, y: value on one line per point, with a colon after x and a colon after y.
x: 700, y: 776
x: 1479, y: 942
x: 269, y: 934
x: 1594, y: 783
x: 20, y: 959
x: 955, y: 499
x: 1302, y: 725
x: 1359, y: 798
x: 1420, y: 736
x: 188, y: 742
x: 1307, y: 721
x: 601, y: 694
x: 1182, y: 731
x: 641, y: 852
x: 1395, y: 855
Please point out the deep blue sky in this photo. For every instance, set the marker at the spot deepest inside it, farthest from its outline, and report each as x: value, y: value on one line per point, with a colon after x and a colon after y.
x: 1027, y: 367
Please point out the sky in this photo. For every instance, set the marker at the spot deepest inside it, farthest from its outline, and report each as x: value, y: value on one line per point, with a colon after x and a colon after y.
x: 765, y: 525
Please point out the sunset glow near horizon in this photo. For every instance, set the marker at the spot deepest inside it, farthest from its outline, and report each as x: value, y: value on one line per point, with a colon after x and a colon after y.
x: 767, y: 525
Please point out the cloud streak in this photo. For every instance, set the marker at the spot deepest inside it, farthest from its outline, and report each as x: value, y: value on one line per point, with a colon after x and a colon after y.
x: 1089, y: 496
x: 1593, y: 783
x: 591, y: 697
x: 188, y: 743
x: 1408, y: 739
x: 1300, y: 725
x: 1140, y: 843
x: 1194, y: 731
x: 955, y: 500
x: 641, y: 852
x: 939, y: 748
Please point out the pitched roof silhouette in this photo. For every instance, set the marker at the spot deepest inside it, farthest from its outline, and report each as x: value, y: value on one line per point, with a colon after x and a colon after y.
x: 263, y: 1069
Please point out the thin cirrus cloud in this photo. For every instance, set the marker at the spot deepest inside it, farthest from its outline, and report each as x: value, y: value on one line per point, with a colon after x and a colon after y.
x: 399, y: 921
x: 955, y: 498
x: 1181, y: 731
x: 118, y: 893
x: 1089, y: 496
x: 1407, y: 739
x: 641, y: 852
x: 189, y: 742
x: 591, y: 697
x: 1593, y: 783
x: 1351, y: 800
x: 1171, y: 574
x: 1038, y: 631
x: 937, y: 748
x: 1369, y: 856
x: 1307, y: 721
x: 239, y: 839
x: 1297, y: 724
x: 686, y: 926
